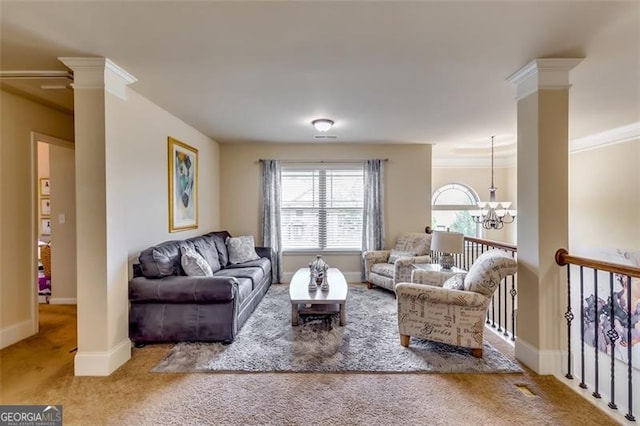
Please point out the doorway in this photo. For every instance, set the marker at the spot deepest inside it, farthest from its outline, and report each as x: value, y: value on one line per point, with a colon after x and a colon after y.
x: 54, y: 230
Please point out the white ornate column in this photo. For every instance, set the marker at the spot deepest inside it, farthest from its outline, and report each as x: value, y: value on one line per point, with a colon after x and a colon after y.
x: 103, y: 343
x: 543, y: 179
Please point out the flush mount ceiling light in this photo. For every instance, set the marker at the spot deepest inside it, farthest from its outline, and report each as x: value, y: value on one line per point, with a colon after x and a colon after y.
x: 322, y: 124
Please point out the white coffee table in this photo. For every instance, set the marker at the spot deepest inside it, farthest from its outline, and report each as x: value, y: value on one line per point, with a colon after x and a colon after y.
x: 320, y: 302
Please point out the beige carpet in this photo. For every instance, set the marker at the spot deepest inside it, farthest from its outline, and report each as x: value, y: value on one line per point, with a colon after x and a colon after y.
x: 134, y: 395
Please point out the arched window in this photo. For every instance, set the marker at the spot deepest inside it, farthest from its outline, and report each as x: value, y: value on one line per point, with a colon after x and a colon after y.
x: 451, y: 207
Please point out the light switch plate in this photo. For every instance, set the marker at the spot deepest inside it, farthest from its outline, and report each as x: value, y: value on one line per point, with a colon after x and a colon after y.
x: 61, y: 219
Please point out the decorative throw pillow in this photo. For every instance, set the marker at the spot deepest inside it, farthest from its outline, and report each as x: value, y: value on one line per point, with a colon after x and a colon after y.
x: 456, y: 282
x: 397, y: 254
x: 241, y: 249
x: 194, y: 264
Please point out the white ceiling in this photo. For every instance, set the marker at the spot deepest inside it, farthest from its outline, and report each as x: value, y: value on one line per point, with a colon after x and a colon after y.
x: 405, y: 72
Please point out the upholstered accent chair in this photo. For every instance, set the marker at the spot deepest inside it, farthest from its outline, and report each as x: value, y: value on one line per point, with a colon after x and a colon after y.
x: 386, y: 268
x: 445, y: 314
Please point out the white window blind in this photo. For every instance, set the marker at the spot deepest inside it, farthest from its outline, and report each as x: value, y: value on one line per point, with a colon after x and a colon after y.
x: 321, y: 207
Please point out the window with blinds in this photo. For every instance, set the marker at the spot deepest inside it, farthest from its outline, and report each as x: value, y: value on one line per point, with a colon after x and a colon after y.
x: 321, y: 207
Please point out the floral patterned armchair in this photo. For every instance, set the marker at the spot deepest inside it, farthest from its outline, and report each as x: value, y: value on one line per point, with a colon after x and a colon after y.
x: 448, y: 315
x: 386, y: 268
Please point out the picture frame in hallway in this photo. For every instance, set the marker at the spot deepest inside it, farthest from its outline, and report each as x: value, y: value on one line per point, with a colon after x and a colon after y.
x: 45, y: 187
x: 45, y: 226
x: 45, y: 206
x: 183, y: 186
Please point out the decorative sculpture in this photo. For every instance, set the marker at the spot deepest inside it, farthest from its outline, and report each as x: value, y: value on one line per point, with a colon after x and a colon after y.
x: 318, y: 274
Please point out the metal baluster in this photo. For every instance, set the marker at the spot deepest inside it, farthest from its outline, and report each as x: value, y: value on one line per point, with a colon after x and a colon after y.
x: 612, y: 334
x: 504, y: 284
x: 583, y: 385
x: 493, y: 312
x: 629, y: 415
x: 474, y: 259
x: 596, y: 393
x: 569, y: 317
x: 513, y: 307
x: 493, y: 305
x: 499, y: 310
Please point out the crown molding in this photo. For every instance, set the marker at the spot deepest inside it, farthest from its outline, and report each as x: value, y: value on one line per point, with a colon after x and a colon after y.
x: 478, y: 162
x: 34, y: 75
x: 608, y: 137
x: 99, y: 73
x: 543, y: 73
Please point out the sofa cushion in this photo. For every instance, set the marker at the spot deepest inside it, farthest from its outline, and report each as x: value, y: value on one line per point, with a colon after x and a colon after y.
x: 456, y: 282
x: 219, y: 239
x: 397, y: 254
x: 241, y: 249
x: 162, y: 260
x: 193, y: 263
x: 245, y: 288
x: 386, y: 269
x: 254, y: 274
x: 488, y: 270
x: 206, y: 247
x: 262, y: 263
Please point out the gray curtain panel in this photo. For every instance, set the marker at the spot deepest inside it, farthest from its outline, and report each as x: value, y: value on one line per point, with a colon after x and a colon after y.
x: 373, y: 213
x: 271, y: 188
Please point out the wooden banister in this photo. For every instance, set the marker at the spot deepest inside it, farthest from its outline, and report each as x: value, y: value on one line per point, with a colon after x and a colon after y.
x: 491, y: 243
x: 564, y: 258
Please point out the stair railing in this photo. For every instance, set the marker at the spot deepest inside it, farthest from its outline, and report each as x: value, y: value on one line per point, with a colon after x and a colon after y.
x: 603, y: 322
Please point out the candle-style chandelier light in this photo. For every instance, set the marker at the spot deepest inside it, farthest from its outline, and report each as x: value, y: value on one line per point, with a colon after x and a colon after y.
x: 493, y: 214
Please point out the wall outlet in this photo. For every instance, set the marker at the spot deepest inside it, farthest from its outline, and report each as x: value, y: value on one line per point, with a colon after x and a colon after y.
x: 61, y: 219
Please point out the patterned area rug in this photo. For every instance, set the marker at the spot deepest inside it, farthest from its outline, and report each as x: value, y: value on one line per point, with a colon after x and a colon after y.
x: 368, y: 343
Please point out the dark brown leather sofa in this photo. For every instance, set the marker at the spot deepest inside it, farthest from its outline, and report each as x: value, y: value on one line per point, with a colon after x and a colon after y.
x: 166, y: 305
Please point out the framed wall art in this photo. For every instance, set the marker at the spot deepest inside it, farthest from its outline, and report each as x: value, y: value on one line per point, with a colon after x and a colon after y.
x: 45, y: 187
x: 45, y: 226
x: 183, y: 186
x: 45, y: 206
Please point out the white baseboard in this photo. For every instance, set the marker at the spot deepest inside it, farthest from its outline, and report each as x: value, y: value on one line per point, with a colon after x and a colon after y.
x: 16, y: 332
x: 600, y: 403
x: 88, y: 363
x: 351, y: 277
x: 543, y: 362
x: 63, y: 301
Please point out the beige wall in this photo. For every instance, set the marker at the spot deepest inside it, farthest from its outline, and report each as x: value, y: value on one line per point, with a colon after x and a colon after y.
x: 63, y: 235
x: 604, y: 200
x: 604, y: 217
x: 18, y: 118
x: 137, y: 132
x: 407, y: 186
x: 479, y: 179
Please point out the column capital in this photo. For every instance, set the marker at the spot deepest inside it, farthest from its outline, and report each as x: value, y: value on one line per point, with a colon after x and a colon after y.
x: 99, y: 73
x: 543, y: 73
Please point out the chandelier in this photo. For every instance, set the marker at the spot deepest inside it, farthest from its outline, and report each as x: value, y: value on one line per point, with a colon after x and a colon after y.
x: 493, y: 214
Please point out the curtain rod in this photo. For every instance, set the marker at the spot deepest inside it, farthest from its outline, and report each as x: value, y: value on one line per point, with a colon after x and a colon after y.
x: 320, y: 161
